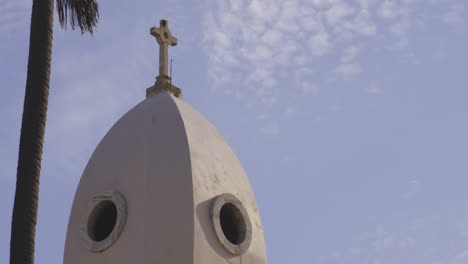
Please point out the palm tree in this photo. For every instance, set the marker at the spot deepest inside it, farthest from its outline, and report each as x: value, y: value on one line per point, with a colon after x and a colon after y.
x: 83, y: 13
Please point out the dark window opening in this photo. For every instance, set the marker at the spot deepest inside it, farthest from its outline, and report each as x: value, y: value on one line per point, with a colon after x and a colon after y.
x: 232, y: 223
x: 102, y: 220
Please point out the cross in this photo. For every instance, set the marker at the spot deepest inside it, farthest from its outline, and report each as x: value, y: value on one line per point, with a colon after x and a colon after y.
x: 163, y: 81
x: 164, y: 38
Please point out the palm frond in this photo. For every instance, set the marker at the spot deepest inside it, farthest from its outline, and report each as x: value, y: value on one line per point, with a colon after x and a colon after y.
x: 83, y: 13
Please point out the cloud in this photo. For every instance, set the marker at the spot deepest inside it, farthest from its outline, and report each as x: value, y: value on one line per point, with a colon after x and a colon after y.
x: 351, y: 52
x: 263, y: 10
x: 398, y: 15
x: 400, y: 29
x: 389, y: 9
x: 337, y: 13
x: 462, y: 255
x: 254, y: 47
x: 361, y: 24
x: 348, y: 70
x: 383, y: 242
x: 455, y: 16
x: 374, y: 89
x: 319, y: 44
x: 267, y: 41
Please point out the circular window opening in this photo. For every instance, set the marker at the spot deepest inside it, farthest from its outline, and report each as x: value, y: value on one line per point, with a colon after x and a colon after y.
x: 232, y: 223
x: 102, y: 220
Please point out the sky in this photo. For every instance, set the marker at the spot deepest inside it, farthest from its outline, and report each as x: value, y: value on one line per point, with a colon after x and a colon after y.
x: 349, y: 116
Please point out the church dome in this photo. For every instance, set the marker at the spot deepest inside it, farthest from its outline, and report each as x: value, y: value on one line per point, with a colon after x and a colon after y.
x: 163, y: 186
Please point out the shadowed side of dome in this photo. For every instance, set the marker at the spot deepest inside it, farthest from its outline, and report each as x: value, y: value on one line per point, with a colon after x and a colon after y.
x: 134, y: 202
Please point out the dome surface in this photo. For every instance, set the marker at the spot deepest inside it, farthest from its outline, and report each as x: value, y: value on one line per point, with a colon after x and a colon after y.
x: 163, y: 186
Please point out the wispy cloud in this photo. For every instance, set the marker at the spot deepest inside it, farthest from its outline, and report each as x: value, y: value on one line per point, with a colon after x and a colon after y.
x: 348, y: 70
x: 390, y: 9
x: 259, y: 44
x: 266, y: 42
x: 455, y: 16
x: 374, y: 89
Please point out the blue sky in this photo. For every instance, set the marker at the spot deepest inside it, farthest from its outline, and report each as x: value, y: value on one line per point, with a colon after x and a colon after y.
x: 348, y: 116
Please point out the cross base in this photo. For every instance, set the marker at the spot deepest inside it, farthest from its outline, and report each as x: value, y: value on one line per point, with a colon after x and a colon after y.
x: 163, y: 84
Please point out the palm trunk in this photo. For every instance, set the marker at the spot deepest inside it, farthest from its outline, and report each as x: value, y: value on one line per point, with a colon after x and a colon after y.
x: 23, y: 228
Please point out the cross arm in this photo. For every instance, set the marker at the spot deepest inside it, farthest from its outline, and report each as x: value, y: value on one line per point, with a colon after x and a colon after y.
x: 172, y: 41
x: 163, y: 36
x: 156, y: 32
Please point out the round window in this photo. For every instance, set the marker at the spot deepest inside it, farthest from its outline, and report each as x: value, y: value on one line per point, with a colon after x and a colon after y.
x: 231, y: 223
x: 104, y: 221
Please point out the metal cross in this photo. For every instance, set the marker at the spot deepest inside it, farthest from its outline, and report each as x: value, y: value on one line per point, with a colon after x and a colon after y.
x: 164, y: 38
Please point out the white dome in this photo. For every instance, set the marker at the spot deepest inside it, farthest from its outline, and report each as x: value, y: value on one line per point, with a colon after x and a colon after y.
x: 163, y: 186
